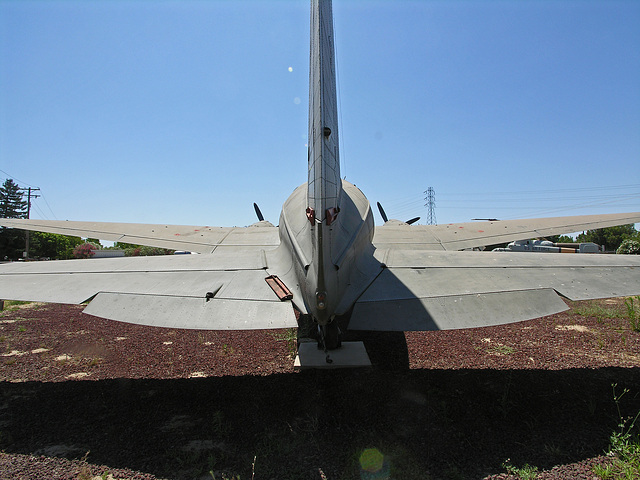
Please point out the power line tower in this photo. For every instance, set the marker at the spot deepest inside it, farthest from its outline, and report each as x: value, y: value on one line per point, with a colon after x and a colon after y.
x: 430, y: 198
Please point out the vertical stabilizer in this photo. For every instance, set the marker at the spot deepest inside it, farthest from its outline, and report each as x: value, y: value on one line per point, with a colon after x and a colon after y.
x: 324, y: 185
x: 324, y: 159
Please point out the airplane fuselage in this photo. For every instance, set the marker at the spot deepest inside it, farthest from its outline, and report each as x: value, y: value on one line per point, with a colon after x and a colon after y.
x: 332, y: 257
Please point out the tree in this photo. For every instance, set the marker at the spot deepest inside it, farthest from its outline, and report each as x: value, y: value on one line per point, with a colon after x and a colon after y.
x: 132, y: 250
x: 11, y: 203
x: 610, y: 237
x: 560, y: 238
x: 95, y: 242
x: 12, y: 241
x: 52, y: 245
x: 125, y: 246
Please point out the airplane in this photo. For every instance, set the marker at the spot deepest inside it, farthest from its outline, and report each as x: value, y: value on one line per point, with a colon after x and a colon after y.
x: 325, y: 262
x: 545, y: 246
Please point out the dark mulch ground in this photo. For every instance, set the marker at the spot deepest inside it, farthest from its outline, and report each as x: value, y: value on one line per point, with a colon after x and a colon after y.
x: 178, y: 404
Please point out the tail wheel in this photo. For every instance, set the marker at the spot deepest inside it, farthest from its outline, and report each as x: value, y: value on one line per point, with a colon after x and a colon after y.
x: 330, y: 336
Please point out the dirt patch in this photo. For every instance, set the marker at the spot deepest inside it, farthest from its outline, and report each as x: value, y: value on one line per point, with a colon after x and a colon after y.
x: 575, y: 328
x: 178, y: 404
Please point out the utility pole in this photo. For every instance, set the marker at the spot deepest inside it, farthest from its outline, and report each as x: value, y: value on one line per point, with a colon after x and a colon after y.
x: 430, y: 198
x: 29, y: 195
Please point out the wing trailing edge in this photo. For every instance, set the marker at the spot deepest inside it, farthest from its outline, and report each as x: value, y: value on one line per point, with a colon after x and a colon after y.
x: 200, y: 239
x: 460, y: 236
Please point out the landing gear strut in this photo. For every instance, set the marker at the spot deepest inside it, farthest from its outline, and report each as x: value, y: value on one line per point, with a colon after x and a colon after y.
x: 330, y: 336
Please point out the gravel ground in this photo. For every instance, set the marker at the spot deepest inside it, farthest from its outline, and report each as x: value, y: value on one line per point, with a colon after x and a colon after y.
x: 83, y: 397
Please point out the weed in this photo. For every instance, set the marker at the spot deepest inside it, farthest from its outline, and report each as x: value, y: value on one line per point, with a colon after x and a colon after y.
x: 290, y: 335
x: 591, y: 406
x: 22, y: 328
x: 224, y: 477
x: 632, y: 313
x: 10, y: 305
x: 452, y: 472
x: 84, y: 472
x: 235, y: 477
x: 308, y: 424
x: 3, y: 339
x: 605, y: 472
x: 624, y: 446
x: 553, y: 450
x: 218, y: 425
x: 500, y: 349
x: 526, y: 472
x: 598, y: 311
x: 227, y: 349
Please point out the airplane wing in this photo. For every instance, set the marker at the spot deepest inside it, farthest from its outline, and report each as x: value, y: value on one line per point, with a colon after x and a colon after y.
x: 436, y: 290
x: 459, y: 236
x: 216, y: 291
x: 261, y: 235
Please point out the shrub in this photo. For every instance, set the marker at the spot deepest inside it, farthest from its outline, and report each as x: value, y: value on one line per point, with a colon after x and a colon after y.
x: 86, y: 250
x: 143, y: 251
x: 629, y: 247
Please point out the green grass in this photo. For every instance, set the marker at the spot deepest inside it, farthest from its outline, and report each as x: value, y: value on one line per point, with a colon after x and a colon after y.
x: 10, y: 305
x: 526, y: 472
x: 500, y: 349
x: 631, y: 311
x: 598, y: 311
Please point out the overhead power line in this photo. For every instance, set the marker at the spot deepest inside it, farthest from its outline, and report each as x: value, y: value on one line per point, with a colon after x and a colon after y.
x: 14, y: 178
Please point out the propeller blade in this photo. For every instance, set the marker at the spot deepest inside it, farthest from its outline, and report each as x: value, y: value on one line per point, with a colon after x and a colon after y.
x: 413, y: 220
x: 258, y: 212
x: 382, y: 214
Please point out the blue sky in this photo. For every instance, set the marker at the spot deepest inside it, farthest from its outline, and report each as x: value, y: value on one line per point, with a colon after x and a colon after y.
x: 188, y: 112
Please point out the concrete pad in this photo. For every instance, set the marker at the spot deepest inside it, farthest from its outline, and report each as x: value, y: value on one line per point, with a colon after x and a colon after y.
x: 351, y: 354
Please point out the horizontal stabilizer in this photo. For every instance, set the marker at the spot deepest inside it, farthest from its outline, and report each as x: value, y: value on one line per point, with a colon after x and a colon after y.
x: 177, y: 291
x: 449, y: 290
x: 454, y: 312
x: 192, y: 313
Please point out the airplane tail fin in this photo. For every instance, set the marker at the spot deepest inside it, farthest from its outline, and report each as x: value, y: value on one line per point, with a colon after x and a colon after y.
x: 324, y: 182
